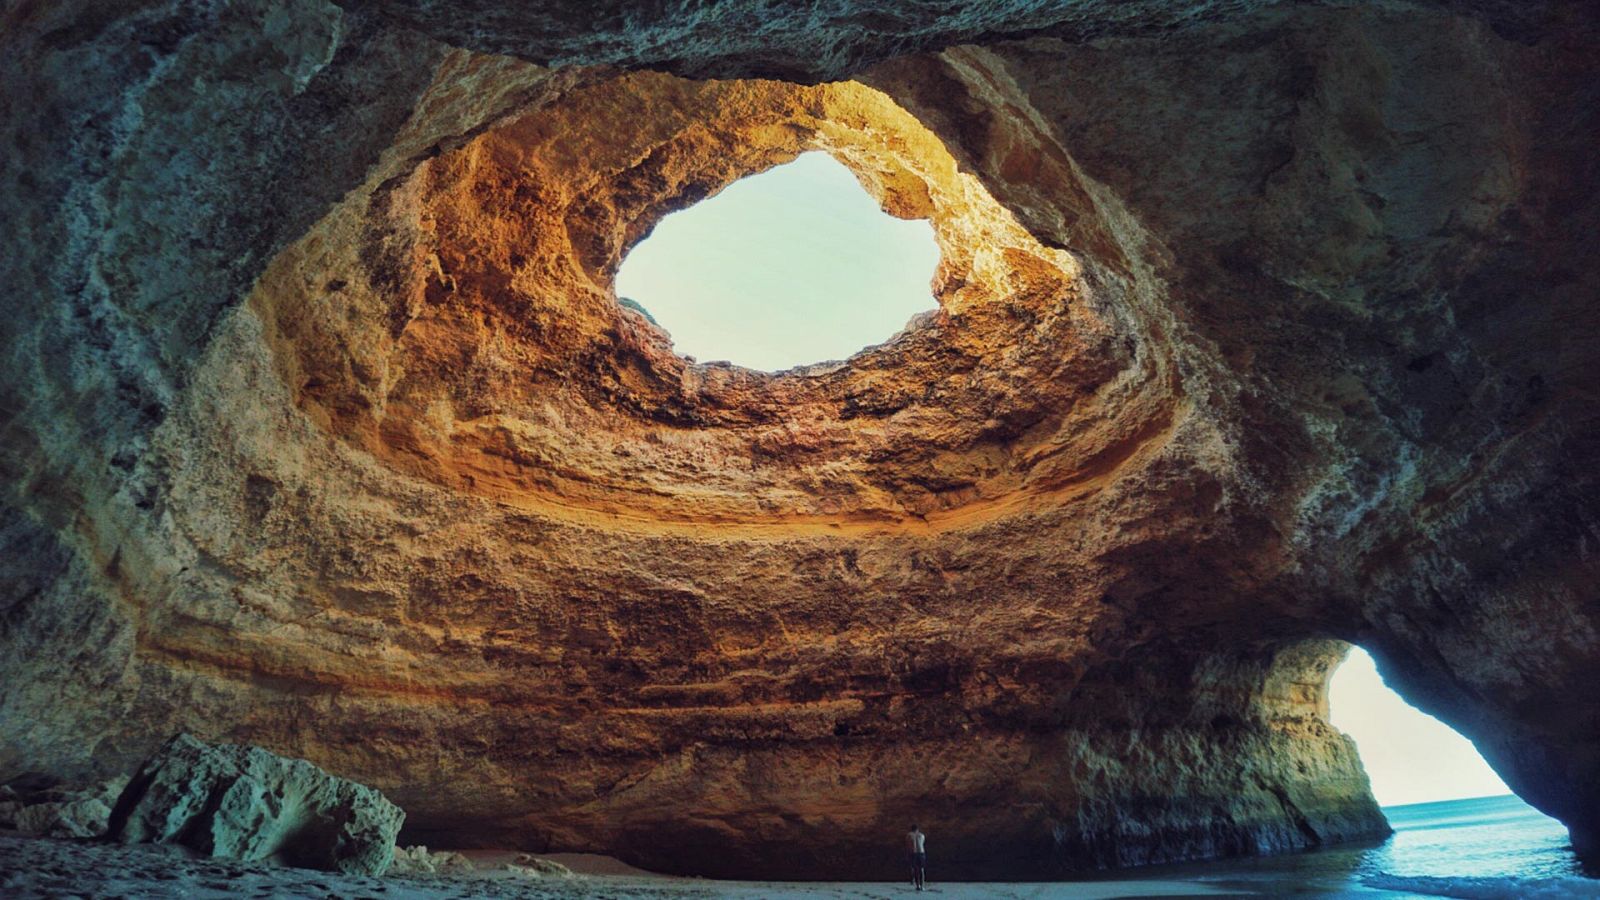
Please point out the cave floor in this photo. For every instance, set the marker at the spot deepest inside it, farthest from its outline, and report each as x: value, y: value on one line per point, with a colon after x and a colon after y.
x: 44, y: 867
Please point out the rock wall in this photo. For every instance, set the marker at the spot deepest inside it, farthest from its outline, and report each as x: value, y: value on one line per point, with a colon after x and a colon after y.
x: 1259, y: 332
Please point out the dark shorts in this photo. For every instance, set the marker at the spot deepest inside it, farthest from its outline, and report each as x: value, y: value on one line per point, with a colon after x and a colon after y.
x: 918, y: 860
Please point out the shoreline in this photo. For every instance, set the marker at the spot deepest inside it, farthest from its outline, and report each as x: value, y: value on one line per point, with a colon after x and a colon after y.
x: 42, y: 867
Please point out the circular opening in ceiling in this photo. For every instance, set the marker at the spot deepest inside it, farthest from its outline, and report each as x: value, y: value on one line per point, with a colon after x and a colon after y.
x: 796, y: 265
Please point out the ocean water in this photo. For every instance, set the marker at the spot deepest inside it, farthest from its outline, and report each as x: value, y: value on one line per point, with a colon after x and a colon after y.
x: 1485, y: 848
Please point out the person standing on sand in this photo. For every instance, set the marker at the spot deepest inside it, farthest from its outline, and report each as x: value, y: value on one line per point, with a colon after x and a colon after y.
x: 917, y: 854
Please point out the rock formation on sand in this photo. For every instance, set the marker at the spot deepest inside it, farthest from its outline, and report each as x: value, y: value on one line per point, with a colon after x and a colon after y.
x: 58, y: 812
x: 1263, y: 328
x: 419, y: 860
x: 244, y: 803
x: 532, y: 866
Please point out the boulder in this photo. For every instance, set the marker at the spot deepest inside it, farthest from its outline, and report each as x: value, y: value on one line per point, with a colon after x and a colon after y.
x: 419, y: 860
x: 530, y: 865
x: 1260, y: 329
x: 59, y: 812
x: 242, y: 802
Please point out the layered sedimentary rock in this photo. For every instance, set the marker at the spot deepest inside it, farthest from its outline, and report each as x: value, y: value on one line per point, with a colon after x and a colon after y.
x: 1259, y: 332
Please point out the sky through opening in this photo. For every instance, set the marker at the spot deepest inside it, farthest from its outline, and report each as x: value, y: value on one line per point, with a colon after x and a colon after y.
x: 1410, y: 756
x: 799, y: 265
x: 795, y: 265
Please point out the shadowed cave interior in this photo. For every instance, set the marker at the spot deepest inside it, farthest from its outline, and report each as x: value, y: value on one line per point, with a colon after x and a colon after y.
x: 1259, y: 333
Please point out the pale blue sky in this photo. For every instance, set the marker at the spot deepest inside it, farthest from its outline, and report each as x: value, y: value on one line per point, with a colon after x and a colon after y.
x: 1410, y: 756
x: 799, y: 265
x: 795, y: 265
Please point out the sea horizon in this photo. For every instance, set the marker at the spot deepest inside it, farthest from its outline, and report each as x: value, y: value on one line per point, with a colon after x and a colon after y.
x: 1486, y: 848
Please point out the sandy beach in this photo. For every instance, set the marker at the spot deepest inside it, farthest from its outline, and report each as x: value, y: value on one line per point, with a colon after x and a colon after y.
x: 51, y: 868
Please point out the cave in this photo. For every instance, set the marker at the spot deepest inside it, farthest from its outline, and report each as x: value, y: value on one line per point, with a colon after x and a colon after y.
x: 1261, y: 330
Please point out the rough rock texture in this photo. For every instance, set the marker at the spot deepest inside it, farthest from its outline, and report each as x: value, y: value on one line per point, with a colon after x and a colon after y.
x: 35, y: 869
x: 1262, y: 329
x: 532, y: 866
x: 57, y: 812
x: 232, y: 802
x: 419, y: 860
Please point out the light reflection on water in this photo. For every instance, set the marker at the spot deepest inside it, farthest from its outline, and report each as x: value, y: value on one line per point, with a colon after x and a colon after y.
x: 1488, y: 847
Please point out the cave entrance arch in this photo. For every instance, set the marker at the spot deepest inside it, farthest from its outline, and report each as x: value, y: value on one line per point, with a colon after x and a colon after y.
x: 794, y: 265
x: 1452, y: 816
x: 1409, y: 756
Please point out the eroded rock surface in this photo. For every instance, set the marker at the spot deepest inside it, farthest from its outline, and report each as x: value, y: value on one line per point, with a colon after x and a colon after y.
x: 49, y: 869
x: 419, y: 860
x: 233, y: 802
x: 1260, y: 331
x: 61, y: 812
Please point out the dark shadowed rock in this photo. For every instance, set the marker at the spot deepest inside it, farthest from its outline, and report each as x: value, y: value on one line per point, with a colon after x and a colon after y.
x: 1262, y: 328
x: 60, y: 812
x: 237, y: 802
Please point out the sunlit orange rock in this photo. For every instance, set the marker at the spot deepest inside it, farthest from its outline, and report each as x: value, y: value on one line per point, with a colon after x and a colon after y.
x: 1258, y: 333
